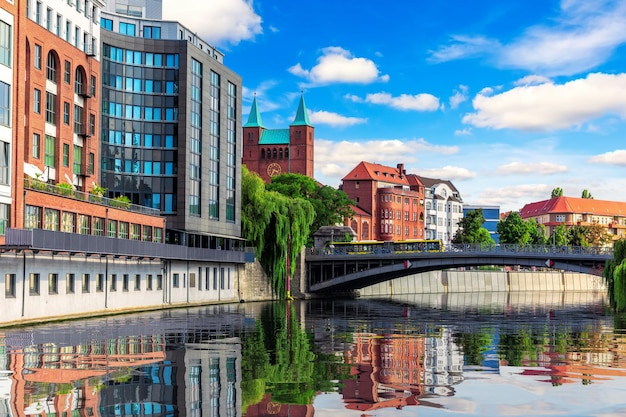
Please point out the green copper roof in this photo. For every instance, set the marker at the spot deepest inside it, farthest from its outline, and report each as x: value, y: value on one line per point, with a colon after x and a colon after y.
x: 254, y: 119
x: 302, y: 116
x: 274, y: 137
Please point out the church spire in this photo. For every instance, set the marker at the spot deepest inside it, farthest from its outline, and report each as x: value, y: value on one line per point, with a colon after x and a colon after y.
x: 302, y: 116
x: 254, y: 119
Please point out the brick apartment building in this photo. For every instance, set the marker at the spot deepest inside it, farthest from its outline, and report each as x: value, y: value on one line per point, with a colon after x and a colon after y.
x: 52, y: 112
x: 270, y: 152
x: 572, y: 211
x: 394, y: 205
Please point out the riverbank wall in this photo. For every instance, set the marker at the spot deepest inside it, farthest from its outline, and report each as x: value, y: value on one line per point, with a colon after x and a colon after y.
x: 476, y: 281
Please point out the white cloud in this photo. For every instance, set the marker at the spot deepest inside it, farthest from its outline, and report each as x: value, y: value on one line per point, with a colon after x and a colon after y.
x: 539, y: 168
x: 334, y: 119
x: 463, y: 132
x: 515, y: 195
x: 417, y: 102
x: 617, y: 157
x: 584, y: 36
x: 464, y: 47
x: 549, y: 107
x: 459, y: 96
x: 581, y: 36
x: 337, y: 65
x: 533, y: 80
x: 217, y: 22
x: 450, y: 173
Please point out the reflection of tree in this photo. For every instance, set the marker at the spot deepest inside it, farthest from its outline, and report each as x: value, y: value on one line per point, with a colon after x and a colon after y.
x: 278, y: 358
x: 519, y: 347
x: 474, y: 344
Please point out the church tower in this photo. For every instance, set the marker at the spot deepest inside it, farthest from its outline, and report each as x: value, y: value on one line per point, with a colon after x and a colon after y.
x: 270, y: 152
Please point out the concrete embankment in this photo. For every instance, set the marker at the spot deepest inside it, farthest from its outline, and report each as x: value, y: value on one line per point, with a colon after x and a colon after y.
x: 486, y: 281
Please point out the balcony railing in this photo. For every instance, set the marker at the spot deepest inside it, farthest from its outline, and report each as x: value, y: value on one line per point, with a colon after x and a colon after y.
x: 37, y: 185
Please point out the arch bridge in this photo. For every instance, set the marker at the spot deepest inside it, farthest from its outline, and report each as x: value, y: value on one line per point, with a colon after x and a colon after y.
x: 335, y: 272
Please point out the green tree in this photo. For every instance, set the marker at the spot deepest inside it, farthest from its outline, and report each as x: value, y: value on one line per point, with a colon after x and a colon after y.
x: 514, y: 230
x: 578, y: 235
x: 559, y: 236
x: 471, y: 229
x: 277, y: 225
x: 537, y: 232
x: 614, y: 273
x: 557, y: 192
x: 586, y: 194
x: 597, y: 235
x: 331, y: 205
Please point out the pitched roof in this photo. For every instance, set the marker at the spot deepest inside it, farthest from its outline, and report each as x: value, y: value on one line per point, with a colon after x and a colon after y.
x: 274, y: 137
x: 302, y: 115
x: 365, y: 171
x: 359, y: 211
x: 431, y: 182
x: 574, y: 205
x: 254, y: 118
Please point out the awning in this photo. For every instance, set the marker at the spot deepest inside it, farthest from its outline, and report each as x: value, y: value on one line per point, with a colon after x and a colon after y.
x: 33, y: 171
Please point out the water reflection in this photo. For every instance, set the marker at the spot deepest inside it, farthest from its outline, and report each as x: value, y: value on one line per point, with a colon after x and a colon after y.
x: 440, y: 353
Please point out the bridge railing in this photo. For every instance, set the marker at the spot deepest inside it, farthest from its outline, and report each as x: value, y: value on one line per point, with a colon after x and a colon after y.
x: 480, y: 248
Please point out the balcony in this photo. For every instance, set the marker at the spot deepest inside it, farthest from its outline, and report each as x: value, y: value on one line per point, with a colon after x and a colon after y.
x: 66, y: 192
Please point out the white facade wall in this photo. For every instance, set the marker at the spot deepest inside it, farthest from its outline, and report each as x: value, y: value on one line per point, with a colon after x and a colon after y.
x: 28, y: 292
x: 6, y: 132
x: 443, y: 212
x: 75, y: 21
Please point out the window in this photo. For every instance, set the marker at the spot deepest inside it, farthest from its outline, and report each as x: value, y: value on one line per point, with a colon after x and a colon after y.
x: 159, y: 285
x: 33, y: 284
x: 36, y: 145
x: 49, y: 151
x: 66, y: 155
x: 113, y: 282
x: 59, y: 26
x: 125, y: 282
x: 149, y: 282
x: 85, y: 286
x: 79, y: 82
x: 37, y: 60
x: 84, y: 224
x: 37, y: 101
x: 53, y: 283
x: 92, y: 124
x: 68, y: 221
x: 51, y: 67
x: 175, y: 281
x: 153, y: 32
x: 98, y: 226
x: 51, y: 219
x: 5, y: 44
x: 68, y: 31
x: 51, y: 108
x: 78, y: 120
x: 5, y: 104
x: 127, y: 29
x: 78, y: 160
x: 9, y: 285
x: 66, y: 113
x: 100, y: 283
x: 67, y: 73
x: 49, y: 19
x: 70, y: 278
x: 92, y: 159
x: 38, y: 12
x: 92, y: 86
x: 137, y: 282
x: 106, y: 23
x: 32, y: 217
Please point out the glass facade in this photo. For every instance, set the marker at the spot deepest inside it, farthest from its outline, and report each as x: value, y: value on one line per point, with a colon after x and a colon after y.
x: 140, y: 126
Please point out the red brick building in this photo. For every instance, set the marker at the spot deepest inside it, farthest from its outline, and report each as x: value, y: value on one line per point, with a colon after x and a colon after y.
x: 389, y: 203
x: 572, y: 211
x: 270, y: 152
x: 55, y: 115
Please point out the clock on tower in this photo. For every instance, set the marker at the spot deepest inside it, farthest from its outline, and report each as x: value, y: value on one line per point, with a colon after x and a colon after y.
x: 273, y: 169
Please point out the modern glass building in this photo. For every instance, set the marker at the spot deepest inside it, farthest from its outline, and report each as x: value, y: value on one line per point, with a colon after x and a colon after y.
x: 171, y: 123
x: 492, y: 218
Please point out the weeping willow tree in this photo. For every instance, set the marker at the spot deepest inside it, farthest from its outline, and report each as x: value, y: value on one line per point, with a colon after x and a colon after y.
x: 615, y: 274
x: 277, y: 225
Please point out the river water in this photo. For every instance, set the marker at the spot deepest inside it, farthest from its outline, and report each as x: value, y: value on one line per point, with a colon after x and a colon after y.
x: 496, y: 354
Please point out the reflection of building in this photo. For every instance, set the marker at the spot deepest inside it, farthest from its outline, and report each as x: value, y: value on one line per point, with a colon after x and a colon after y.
x: 51, y: 379
x: 398, y: 370
x: 267, y: 407
x: 270, y: 152
x: 571, y: 211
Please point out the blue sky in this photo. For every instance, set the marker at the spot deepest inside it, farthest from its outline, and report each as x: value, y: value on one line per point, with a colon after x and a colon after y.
x: 507, y: 99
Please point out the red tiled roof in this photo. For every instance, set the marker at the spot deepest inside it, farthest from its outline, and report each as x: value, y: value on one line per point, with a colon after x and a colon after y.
x: 574, y: 205
x: 359, y: 211
x: 366, y: 171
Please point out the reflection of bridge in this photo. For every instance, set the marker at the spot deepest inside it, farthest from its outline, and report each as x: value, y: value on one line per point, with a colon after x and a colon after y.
x: 340, y: 272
